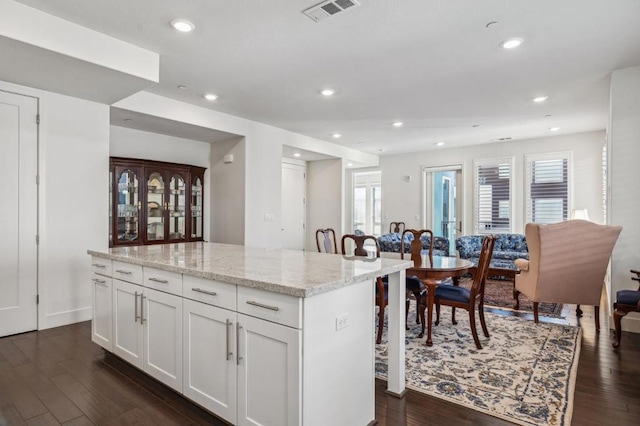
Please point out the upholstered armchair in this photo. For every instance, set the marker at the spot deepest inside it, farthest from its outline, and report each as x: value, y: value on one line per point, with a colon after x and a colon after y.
x: 567, y: 263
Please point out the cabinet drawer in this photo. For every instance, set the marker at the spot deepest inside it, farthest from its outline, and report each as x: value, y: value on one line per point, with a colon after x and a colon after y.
x: 101, y: 266
x: 127, y: 272
x: 169, y: 282
x: 275, y: 307
x: 210, y: 292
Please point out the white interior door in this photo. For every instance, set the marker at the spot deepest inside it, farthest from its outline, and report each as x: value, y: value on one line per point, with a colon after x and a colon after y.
x: 293, y: 206
x: 19, y: 214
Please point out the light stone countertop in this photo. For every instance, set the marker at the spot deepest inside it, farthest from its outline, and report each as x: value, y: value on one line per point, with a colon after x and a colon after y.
x: 292, y: 272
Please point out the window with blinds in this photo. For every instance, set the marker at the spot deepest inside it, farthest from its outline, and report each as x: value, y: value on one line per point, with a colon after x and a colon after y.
x: 492, y: 198
x: 547, y: 185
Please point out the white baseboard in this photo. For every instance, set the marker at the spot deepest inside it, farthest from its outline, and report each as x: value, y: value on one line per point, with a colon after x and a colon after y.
x: 65, y: 318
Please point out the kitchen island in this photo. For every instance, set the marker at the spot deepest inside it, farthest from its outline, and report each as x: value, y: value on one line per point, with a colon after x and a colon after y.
x: 256, y: 336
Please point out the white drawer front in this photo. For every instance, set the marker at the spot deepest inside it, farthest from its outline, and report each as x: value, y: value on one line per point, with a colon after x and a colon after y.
x: 210, y: 292
x: 127, y: 272
x: 169, y: 282
x: 101, y: 266
x: 275, y: 307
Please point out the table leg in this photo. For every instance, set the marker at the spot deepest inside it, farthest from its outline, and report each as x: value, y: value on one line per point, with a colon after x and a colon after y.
x: 431, y: 297
x: 396, y: 334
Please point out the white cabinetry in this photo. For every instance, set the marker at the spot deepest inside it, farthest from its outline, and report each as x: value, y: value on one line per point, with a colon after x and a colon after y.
x: 147, y: 328
x: 102, y: 310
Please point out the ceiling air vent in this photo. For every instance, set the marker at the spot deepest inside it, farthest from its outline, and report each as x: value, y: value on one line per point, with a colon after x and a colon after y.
x: 329, y: 8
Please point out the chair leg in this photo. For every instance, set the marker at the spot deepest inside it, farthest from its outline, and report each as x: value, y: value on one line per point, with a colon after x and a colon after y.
x: 453, y: 316
x: 416, y: 295
x: 472, y: 322
x: 617, y: 321
x: 380, y: 323
x: 406, y: 315
x: 437, y: 313
x: 483, y: 323
x: 535, y: 312
x: 422, y: 317
x: 578, y: 311
x: 596, y: 317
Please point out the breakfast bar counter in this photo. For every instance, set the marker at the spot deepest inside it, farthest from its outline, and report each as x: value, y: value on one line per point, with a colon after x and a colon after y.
x: 256, y: 336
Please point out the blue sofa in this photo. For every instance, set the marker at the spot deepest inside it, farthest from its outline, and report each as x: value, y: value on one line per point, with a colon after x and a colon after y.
x: 507, y: 249
x: 391, y: 243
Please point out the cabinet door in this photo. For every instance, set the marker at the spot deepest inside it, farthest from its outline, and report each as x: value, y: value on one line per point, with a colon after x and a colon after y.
x: 196, y: 206
x: 177, y: 206
x: 269, y: 373
x: 127, y: 329
x: 209, y: 358
x: 156, y: 206
x: 162, y: 320
x: 101, y: 293
x: 126, y: 206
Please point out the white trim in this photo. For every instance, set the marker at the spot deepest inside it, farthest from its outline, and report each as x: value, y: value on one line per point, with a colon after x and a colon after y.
x: 66, y: 317
x: 559, y: 155
x: 493, y: 161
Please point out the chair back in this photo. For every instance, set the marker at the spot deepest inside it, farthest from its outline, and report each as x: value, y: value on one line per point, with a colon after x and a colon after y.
x: 480, y: 277
x: 416, y: 245
x: 568, y: 260
x: 326, y: 241
x: 359, y: 241
x: 396, y: 227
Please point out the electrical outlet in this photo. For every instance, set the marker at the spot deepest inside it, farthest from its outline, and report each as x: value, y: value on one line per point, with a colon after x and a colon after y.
x: 268, y: 217
x: 342, y: 321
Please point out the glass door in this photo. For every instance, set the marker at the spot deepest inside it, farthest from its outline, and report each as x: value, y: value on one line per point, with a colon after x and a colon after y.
x: 196, y: 209
x: 443, y: 211
x: 155, y: 207
x: 127, y: 207
x: 367, y: 202
x: 177, y: 208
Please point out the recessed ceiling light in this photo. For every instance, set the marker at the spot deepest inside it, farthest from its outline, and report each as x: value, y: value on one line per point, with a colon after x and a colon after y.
x: 327, y: 92
x: 491, y: 24
x: 349, y: 164
x: 183, y: 25
x: 296, y: 154
x: 128, y: 120
x: 397, y: 124
x: 210, y: 96
x: 539, y: 99
x: 476, y: 125
x: 336, y: 135
x: 360, y: 143
x: 554, y: 129
x: 548, y: 116
x: 182, y: 87
x: 439, y: 143
x: 512, y: 43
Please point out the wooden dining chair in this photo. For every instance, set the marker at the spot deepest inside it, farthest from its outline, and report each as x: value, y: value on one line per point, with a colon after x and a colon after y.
x: 626, y: 301
x: 381, y: 291
x: 326, y: 241
x: 396, y: 227
x: 415, y: 287
x: 469, y: 298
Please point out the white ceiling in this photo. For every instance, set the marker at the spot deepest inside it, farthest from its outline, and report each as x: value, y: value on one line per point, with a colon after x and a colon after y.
x: 433, y: 64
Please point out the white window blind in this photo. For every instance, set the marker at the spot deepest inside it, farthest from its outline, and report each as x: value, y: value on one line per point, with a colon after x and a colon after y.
x: 547, y: 186
x: 492, y: 197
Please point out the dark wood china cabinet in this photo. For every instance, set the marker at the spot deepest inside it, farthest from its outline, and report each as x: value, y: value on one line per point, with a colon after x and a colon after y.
x: 154, y: 202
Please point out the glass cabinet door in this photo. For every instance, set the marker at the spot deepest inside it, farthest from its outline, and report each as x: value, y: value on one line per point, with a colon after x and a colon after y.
x: 196, y: 208
x: 177, y: 203
x: 127, y: 207
x: 155, y: 207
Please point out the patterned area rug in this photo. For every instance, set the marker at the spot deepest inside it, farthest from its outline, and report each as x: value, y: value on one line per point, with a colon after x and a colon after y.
x: 525, y: 372
x: 499, y: 294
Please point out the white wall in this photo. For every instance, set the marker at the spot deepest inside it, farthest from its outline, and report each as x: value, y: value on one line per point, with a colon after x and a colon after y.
x: 73, y: 209
x: 624, y: 137
x: 263, y: 158
x: 324, y: 199
x: 228, y: 192
x: 403, y: 200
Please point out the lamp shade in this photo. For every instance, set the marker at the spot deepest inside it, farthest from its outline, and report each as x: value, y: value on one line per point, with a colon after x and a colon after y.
x: 579, y: 214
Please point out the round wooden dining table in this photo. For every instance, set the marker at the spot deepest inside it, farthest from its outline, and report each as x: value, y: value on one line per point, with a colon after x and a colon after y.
x: 430, y: 270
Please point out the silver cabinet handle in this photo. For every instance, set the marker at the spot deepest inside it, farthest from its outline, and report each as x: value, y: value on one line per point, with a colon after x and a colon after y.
x: 120, y: 271
x: 98, y: 265
x: 158, y: 280
x: 260, y: 305
x: 101, y: 282
x: 199, y: 290
x: 135, y: 308
x: 238, y: 357
x: 229, y: 323
x: 142, y: 319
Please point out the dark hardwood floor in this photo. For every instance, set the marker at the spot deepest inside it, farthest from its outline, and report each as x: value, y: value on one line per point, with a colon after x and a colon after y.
x: 59, y: 376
